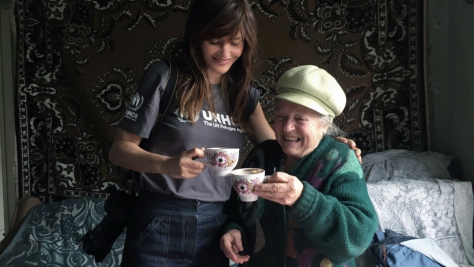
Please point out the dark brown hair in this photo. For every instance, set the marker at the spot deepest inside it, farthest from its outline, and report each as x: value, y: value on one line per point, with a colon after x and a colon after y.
x: 214, y: 19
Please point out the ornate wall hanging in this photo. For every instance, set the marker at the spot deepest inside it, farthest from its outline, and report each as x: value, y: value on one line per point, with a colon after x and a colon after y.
x: 79, y: 63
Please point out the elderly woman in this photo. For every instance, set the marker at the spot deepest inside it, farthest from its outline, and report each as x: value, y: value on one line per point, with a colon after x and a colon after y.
x: 314, y: 209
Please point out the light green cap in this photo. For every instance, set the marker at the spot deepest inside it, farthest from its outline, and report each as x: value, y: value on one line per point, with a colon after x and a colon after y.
x: 313, y: 88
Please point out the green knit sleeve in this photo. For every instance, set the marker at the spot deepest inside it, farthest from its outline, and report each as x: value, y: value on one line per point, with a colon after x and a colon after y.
x: 338, y: 218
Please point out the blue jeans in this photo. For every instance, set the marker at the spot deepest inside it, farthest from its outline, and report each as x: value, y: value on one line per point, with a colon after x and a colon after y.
x: 168, y: 231
x: 388, y: 251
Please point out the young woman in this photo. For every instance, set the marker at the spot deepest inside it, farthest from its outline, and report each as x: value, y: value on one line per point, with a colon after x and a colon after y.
x: 178, y: 213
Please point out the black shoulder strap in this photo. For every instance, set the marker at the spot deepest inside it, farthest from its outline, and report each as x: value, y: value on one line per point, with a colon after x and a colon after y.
x: 165, y: 99
x: 167, y: 93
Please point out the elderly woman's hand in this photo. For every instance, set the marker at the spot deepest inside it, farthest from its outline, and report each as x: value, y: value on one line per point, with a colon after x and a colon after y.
x: 231, y: 245
x: 281, y: 188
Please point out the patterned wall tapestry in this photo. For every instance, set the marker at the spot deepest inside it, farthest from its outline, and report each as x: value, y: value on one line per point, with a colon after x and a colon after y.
x: 79, y: 62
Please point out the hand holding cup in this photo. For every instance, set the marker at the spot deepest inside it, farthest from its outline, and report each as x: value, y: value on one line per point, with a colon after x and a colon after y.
x: 281, y: 188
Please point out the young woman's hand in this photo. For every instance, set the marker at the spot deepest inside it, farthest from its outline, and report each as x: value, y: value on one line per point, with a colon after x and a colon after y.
x: 231, y: 245
x: 351, y: 143
x: 184, y: 165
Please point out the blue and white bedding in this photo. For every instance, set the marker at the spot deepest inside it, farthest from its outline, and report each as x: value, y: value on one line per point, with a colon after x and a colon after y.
x: 50, y: 235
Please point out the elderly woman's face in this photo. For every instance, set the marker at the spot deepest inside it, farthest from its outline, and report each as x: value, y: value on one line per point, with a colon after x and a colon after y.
x: 298, y: 129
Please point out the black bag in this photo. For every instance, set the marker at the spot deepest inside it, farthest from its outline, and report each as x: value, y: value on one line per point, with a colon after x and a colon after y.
x: 99, y: 241
x: 119, y: 204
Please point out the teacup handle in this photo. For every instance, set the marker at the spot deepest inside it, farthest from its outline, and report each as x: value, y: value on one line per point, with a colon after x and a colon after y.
x: 265, y: 179
x: 204, y: 161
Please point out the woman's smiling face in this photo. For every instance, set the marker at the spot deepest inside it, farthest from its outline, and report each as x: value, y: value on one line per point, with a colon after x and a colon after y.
x: 220, y: 54
x: 298, y: 129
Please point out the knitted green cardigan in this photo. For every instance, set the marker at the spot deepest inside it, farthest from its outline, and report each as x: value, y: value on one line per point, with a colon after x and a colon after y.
x: 331, y: 223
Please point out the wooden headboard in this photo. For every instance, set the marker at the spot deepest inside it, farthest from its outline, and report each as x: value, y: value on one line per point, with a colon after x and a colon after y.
x: 79, y: 63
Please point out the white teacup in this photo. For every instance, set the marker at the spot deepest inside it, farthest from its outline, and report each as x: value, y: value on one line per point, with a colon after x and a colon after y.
x: 243, y: 181
x: 221, y: 160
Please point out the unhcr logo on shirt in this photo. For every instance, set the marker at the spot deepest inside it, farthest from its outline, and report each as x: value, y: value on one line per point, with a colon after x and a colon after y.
x: 135, y: 104
x: 220, y: 121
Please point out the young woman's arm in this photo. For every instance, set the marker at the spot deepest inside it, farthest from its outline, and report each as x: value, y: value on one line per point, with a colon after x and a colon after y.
x: 126, y: 152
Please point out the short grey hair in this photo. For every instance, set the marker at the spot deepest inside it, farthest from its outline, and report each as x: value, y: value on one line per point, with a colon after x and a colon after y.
x: 332, y: 129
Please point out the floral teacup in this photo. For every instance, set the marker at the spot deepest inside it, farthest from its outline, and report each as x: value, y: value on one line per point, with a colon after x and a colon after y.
x: 243, y: 181
x: 221, y: 160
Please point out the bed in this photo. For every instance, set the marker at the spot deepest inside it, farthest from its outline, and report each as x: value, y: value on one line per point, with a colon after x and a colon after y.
x: 413, y: 193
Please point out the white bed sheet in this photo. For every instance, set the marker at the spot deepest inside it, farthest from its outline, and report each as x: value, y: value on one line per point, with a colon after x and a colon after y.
x: 428, y: 209
x: 414, y: 194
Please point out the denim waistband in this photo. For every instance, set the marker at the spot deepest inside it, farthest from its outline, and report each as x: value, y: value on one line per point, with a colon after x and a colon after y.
x: 158, y: 203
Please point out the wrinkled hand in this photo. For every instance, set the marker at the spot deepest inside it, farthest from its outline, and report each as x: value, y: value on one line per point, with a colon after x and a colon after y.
x: 184, y: 165
x: 281, y: 188
x: 231, y: 245
x: 352, y: 144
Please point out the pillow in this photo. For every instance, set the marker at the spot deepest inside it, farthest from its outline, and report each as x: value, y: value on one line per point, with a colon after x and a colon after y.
x: 405, y: 164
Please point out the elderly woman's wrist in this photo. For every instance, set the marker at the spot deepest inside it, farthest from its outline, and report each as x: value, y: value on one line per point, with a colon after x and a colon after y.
x: 301, y: 206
